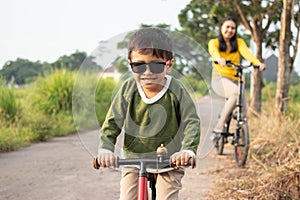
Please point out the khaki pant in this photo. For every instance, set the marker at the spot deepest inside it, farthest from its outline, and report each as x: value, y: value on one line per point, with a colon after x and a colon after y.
x: 168, y: 184
x: 229, y: 90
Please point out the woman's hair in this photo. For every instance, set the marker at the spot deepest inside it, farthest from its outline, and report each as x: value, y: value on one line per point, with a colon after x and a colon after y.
x: 233, y: 40
x: 151, y: 41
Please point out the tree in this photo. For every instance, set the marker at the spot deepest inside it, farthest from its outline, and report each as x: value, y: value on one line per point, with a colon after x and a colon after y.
x: 75, y: 61
x: 255, y: 16
x: 286, y: 61
x: 23, y: 71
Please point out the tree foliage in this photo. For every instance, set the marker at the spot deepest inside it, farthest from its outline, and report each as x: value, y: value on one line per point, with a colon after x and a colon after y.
x: 22, y: 71
x: 199, y: 20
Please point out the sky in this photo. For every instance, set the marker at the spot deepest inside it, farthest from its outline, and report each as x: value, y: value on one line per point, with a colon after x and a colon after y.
x: 45, y: 30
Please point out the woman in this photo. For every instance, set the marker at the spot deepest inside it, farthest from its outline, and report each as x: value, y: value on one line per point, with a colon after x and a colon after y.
x: 228, y: 47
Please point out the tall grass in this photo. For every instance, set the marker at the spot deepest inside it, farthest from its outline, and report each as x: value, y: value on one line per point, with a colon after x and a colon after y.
x: 54, y: 92
x: 273, y: 170
x: 91, y: 100
x: 48, y: 107
x: 104, y: 95
x: 46, y: 111
x: 9, y: 107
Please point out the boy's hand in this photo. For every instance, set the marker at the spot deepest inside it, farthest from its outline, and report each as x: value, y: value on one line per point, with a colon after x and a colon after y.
x: 180, y: 159
x: 106, y: 160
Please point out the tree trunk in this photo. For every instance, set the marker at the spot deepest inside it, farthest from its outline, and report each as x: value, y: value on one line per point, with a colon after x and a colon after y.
x: 284, y: 61
x: 256, y: 81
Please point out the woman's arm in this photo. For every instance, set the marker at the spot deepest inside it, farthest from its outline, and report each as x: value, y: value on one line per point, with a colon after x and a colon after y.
x: 246, y: 53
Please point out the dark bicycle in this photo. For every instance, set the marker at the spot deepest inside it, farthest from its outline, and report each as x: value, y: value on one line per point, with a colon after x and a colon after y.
x: 236, y: 125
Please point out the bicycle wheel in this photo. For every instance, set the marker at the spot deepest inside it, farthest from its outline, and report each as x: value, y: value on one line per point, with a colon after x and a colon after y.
x: 223, y: 137
x: 220, y: 144
x: 241, y: 144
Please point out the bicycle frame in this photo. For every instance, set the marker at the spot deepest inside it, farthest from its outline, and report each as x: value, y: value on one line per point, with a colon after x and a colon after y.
x: 241, y: 131
x: 239, y: 104
x: 143, y: 174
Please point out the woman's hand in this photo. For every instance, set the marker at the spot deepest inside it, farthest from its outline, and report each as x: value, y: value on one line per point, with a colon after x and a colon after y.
x: 262, y: 67
x: 222, y: 61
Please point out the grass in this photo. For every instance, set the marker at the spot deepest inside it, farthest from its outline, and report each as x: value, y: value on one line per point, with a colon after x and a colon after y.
x: 9, y: 108
x: 273, y: 167
x: 44, y: 109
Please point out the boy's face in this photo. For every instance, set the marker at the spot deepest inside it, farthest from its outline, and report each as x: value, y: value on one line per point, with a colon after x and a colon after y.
x: 153, y: 79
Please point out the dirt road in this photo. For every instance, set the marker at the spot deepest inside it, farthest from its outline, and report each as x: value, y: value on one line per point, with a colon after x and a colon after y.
x: 61, y: 169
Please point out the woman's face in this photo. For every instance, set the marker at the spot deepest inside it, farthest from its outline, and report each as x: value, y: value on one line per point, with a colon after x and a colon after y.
x: 228, y: 29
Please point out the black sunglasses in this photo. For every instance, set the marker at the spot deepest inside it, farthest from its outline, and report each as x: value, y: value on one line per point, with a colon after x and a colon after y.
x: 155, y: 67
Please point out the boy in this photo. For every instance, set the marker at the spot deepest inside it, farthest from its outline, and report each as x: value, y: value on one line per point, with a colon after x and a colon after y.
x: 152, y: 108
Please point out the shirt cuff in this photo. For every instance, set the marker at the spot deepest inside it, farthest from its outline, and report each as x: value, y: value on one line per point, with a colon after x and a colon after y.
x: 100, y: 151
x: 192, y: 154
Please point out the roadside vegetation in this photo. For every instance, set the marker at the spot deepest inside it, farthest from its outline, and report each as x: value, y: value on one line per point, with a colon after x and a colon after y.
x: 43, y: 109
x: 273, y: 167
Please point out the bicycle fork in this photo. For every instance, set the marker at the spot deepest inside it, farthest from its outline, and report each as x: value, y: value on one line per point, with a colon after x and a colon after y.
x: 143, y: 178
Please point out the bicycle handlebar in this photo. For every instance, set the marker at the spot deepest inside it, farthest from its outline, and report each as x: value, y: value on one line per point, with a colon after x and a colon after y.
x: 161, y: 159
x: 146, y: 161
x: 229, y: 63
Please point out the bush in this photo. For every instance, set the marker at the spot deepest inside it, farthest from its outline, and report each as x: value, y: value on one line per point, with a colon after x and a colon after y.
x: 104, y: 95
x: 54, y: 92
x: 9, y: 108
x: 91, y: 100
x: 12, y: 138
x: 269, y: 92
x: 294, y: 92
x: 200, y: 87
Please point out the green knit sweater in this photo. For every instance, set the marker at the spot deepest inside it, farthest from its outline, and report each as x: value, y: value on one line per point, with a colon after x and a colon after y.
x: 171, y: 120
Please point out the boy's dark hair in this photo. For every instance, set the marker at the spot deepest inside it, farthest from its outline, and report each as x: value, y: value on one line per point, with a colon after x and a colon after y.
x: 233, y: 40
x: 151, y: 41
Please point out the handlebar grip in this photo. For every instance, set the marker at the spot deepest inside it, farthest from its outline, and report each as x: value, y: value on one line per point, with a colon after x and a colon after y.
x: 191, y: 163
x: 228, y: 62
x: 95, y: 163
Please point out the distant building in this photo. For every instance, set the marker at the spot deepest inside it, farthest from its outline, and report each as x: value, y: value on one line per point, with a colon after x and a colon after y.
x: 111, y: 72
x: 270, y: 73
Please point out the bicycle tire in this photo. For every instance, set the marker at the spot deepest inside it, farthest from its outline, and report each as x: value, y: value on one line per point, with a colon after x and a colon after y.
x: 220, y: 145
x: 241, y: 147
x: 223, y: 137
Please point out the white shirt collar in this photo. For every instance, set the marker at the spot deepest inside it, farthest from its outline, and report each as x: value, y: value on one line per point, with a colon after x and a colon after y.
x: 156, y: 97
